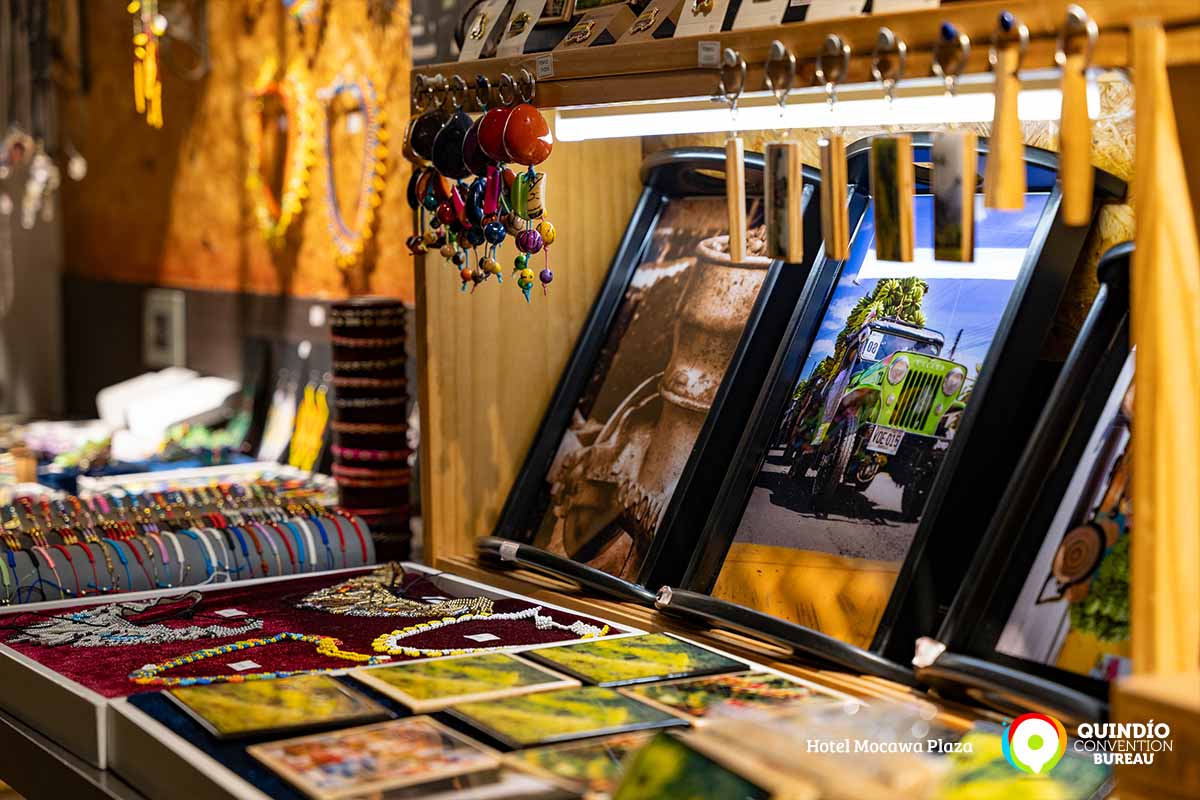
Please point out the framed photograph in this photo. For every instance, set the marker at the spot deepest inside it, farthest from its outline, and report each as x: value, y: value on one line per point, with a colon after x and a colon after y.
x: 557, y: 11
x: 590, y: 768
x: 898, y: 406
x: 669, y: 766
x: 375, y: 758
x: 256, y: 708
x: 694, y: 698
x: 677, y: 333
x: 561, y: 715
x: 1056, y: 600
x: 634, y: 659
x: 425, y: 686
x: 979, y: 769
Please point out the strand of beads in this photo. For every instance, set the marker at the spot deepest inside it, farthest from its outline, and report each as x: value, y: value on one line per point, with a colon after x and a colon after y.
x: 151, y: 674
x: 390, y: 642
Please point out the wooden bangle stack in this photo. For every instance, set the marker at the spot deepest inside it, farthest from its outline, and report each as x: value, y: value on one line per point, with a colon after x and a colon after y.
x: 370, y: 412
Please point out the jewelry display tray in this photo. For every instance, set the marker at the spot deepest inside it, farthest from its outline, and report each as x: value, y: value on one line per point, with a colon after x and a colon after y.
x: 77, y: 718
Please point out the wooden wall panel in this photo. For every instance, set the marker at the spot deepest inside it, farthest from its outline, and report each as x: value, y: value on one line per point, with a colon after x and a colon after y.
x: 170, y: 206
x: 490, y: 362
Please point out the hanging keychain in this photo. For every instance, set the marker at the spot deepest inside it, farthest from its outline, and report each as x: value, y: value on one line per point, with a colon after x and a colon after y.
x: 528, y: 140
x: 953, y: 154
x: 783, y: 174
x: 1075, y: 127
x: 735, y: 156
x: 833, y: 64
x: 892, y: 171
x: 1004, y: 175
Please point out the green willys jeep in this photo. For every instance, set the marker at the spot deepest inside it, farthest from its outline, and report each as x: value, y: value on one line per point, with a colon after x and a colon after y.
x: 891, y: 406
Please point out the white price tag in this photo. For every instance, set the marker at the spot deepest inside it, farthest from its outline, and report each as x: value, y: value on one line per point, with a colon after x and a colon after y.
x: 708, y: 54
x: 543, y: 67
x: 482, y: 637
x: 242, y: 666
x: 230, y: 612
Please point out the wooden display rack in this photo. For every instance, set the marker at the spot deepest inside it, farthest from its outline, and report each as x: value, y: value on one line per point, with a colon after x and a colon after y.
x: 488, y: 367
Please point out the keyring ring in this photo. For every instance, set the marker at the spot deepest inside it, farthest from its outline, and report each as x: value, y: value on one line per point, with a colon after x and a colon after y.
x: 483, y: 92
x: 888, y: 46
x: 950, y: 55
x: 1078, y: 22
x: 833, y: 47
x: 439, y: 92
x: 421, y: 93
x: 1006, y: 25
x: 458, y: 91
x: 780, y: 55
x: 525, y: 79
x: 732, y: 60
x: 507, y: 83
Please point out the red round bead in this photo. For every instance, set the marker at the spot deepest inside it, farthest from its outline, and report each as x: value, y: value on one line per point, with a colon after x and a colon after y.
x: 491, y: 133
x: 527, y: 137
x: 446, y: 214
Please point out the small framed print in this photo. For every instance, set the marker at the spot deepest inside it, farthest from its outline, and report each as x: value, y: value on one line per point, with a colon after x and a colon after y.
x: 561, y: 716
x: 425, y: 686
x: 759, y: 14
x: 700, y: 17
x: 557, y: 11
x: 255, y: 708
x: 653, y: 17
x: 673, y: 765
x: 481, y: 29
x: 635, y: 659
x: 375, y: 758
x: 694, y: 699
x: 591, y: 768
x: 591, y: 27
x: 521, y: 21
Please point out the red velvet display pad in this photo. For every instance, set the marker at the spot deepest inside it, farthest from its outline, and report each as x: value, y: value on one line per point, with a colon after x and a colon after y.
x: 106, y: 669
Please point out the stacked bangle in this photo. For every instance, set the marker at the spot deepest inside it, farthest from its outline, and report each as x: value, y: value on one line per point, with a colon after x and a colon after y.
x: 351, y: 341
x: 359, y: 454
x: 370, y: 427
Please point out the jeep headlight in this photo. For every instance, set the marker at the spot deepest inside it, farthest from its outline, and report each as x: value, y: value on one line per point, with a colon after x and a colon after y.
x: 897, y: 370
x: 953, y: 382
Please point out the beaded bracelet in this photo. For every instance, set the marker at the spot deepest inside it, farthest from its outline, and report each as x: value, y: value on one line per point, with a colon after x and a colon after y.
x: 316, y: 523
x: 205, y: 549
x: 378, y: 363
x: 341, y: 470
x: 367, y: 483
x: 351, y: 341
x: 62, y: 590
x: 357, y: 454
x: 299, y: 539
x: 369, y: 402
x: 86, y: 547
x: 257, y: 528
x: 370, y: 427
x: 287, y: 543
x: 184, y: 566
x: 245, y: 550
x: 370, y: 383
x: 71, y: 563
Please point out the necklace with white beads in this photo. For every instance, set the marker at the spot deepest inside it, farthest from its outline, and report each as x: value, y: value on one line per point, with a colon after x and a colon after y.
x: 390, y: 642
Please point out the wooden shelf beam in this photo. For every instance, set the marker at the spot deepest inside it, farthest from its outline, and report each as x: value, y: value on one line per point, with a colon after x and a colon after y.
x: 668, y: 68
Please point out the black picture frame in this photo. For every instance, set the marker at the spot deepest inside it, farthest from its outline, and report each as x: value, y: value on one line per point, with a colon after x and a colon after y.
x: 1001, y: 568
x: 668, y: 175
x: 992, y: 431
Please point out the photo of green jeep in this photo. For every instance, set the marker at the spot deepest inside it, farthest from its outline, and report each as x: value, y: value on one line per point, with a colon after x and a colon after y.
x: 890, y: 404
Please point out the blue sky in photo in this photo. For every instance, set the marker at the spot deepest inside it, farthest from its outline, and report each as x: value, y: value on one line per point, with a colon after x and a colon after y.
x: 972, y: 305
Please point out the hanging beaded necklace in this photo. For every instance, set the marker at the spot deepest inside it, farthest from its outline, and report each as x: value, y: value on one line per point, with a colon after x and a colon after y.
x: 275, y: 215
x: 390, y: 642
x: 151, y: 674
x: 350, y: 238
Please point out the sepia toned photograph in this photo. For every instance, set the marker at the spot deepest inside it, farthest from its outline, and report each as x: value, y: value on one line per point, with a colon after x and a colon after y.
x: 634, y: 427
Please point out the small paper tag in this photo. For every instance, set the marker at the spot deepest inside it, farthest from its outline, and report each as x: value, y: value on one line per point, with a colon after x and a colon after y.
x: 230, y: 612
x: 544, y: 66
x: 354, y: 122
x: 242, y: 666
x: 708, y: 54
x: 482, y: 637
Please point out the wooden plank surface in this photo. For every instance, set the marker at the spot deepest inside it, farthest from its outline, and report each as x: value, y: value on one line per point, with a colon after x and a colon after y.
x: 490, y: 362
x: 668, y: 67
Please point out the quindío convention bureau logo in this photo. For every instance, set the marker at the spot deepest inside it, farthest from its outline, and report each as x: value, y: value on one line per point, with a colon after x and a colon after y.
x: 1034, y: 743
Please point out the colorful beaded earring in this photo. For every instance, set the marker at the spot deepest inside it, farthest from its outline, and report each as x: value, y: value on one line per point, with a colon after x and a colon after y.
x: 349, y: 238
x: 528, y: 140
x: 148, y: 28
x: 275, y: 215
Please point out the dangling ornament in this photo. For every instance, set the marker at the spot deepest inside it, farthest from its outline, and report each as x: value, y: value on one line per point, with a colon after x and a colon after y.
x: 275, y: 215
x: 148, y: 28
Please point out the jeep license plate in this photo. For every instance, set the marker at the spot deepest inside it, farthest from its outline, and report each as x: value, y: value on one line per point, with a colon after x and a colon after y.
x: 885, y: 440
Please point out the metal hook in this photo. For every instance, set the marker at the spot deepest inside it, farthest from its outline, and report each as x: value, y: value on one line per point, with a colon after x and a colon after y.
x: 1078, y: 23
x: 1006, y: 25
x: 507, y: 83
x: 458, y: 91
x: 483, y: 92
x: 732, y: 60
x: 421, y: 92
x: 891, y: 49
x: 781, y: 55
x: 950, y: 55
x: 833, y: 47
x: 527, y: 84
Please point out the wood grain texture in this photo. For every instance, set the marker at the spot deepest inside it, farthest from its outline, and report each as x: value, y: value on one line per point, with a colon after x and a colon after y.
x: 1165, y: 293
x: 170, y: 206
x: 1004, y: 173
x: 491, y: 362
x: 835, y: 218
x: 735, y: 196
x: 1175, y: 700
x: 1075, y: 143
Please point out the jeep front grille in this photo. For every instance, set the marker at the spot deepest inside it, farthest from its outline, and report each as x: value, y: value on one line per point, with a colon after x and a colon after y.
x: 916, y: 398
